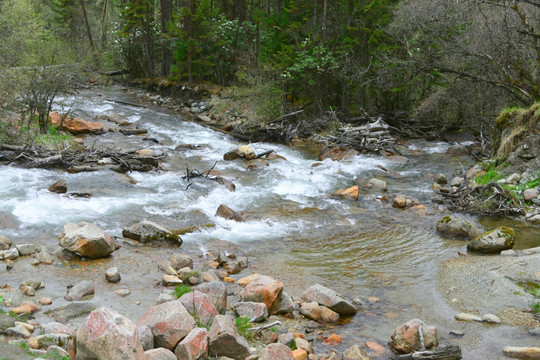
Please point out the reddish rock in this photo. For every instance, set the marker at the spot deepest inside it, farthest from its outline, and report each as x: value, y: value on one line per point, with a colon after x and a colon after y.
x: 337, y: 153
x: 74, y: 126
x: 170, y: 322
x: 199, y: 305
x: 225, y: 341
x: 276, y: 352
x: 160, y: 354
x: 300, y: 354
x: 25, y: 308
x: 319, y: 313
x: 217, y: 292
x: 247, y: 279
x: 106, y: 334
x: 253, y: 311
x: 376, y: 347
x: 266, y: 290
x: 194, y: 346
x: 86, y: 239
x: 228, y: 213
x: 350, y: 193
x: 406, y: 338
x: 332, y: 340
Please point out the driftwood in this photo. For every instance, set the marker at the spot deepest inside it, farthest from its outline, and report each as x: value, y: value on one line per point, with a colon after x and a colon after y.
x: 451, y: 352
x: 48, y: 162
x: 194, y: 173
x: 133, y: 131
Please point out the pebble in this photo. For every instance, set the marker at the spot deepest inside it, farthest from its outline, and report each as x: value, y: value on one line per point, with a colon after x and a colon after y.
x: 457, y: 333
x: 112, y: 275
x: 332, y: 340
x: 122, y: 292
x: 171, y: 280
x: 45, y: 301
x: 490, y: 318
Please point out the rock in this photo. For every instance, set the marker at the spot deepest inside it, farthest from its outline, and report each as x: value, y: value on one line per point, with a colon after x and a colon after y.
x: 122, y: 292
x: 457, y: 227
x: 146, y: 337
x: 9, y: 254
x: 376, y: 347
x: 34, y: 284
x: 404, y: 202
x: 332, y: 340
x: 217, y: 292
x: 244, y: 151
x: 490, y: 318
x: 406, y: 338
x: 494, y: 241
x: 112, y: 275
x: 80, y: 290
x: 513, y: 179
x: 5, y: 243
x: 530, y: 194
x: 225, y: 341
x: 26, y: 249
x: 57, y: 328
x: 319, y: 313
x: 533, y: 332
x: 441, y: 179
x: 373, y: 183
x: 535, y: 220
x: 276, y: 352
x: 532, y: 353
x: 300, y: 354
x: 355, y: 352
x: 286, y: 305
x: 264, y: 289
x: 28, y: 291
x: 351, y: 193
x: 467, y: 317
x: 25, y: 308
x: 87, y: 240
x: 180, y: 261
x: 253, y: 311
x: 160, y: 354
x: 228, y: 213
x: 457, y: 181
x: 170, y: 322
x: 56, y: 352
x: 17, y: 331
x: 45, y: 301
x: 194, y: 346
x: 151, y: 232
x: 59, y: 187
x: 330, y: 299
x: 75, y: 126
x: 106, y: 334
x: 286, y: 339
x: 44, y: 257
x: 337, y: 153
x: 303, y: 344
x: 200, y: 306
x: 6, y: 321
x: 171, y: 280
x: 457, y: 149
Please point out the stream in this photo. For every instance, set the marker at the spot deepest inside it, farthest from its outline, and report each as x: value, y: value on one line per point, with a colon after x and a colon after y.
x: 296, y: 231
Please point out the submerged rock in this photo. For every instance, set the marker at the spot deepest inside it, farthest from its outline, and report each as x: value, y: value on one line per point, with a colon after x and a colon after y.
x: 228, y: 213
x: 59, y: 187
x: 351, y: 193
x: 406, y: 338
x: 494, y: 241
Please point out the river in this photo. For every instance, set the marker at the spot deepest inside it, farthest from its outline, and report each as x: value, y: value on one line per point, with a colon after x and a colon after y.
x: 296, y: 231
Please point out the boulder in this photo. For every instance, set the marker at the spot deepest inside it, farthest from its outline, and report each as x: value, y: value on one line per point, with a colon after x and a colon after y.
x: 406, y: 338
x: 160, y: 354
x: 87, y: 240
x: 355, y: 352
x: 441, y: 179
x: 59, y: 187
x: 180, y: 261
x: 264, y: 289
x: 224, y: 339
x: 57, y: 328
x: 319, y: 313
x: 170, y: 322
x: 351, y: 193
x: 217, y: 292
x: 145, y: 336
x: 194, y: 346
x: 200, y: 306
x: 375, y: 184
x: 276, y: 352
x: 26, y: 249
x: 457, y: 227
x: 494, y: 241
x: 252, y: 310
x: 404, y: 202
x: 44, y: 257
x: 286, y: 305
x: 80, y: 290
x: 75, y: 126
x: 9, y: 254
x: 329, y: 298
x: 531, y: 194
x: 228, y: 213
x: 106, y: 334
x: 151, y: 232
x: 6, y: 321
x: 112, y: 275
x: 244, y: 151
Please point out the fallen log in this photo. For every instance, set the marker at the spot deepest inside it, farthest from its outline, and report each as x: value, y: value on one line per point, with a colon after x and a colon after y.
x: 48, y: 162
x: 133, y: 131
x: 451, y: 352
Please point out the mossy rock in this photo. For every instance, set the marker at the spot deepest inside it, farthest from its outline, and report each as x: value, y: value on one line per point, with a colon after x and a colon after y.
x: 457, y: 227
x: 494, y: 241
x: 151, y: 232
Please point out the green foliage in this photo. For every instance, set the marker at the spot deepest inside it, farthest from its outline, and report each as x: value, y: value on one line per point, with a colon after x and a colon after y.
x: 242, y: 324
x: 535, y: 307
x: 181, y: 290
x: 293, y: 345
x: 55, y: 355
x: 489, y: 176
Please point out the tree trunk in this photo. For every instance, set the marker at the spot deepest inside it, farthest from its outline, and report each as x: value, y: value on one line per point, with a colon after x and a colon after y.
x: 148, y: 43
x: 86, y: 23
x: 166, y: 53
x: 104, y: 22
x: 325, y: 8
x: 190, y: 47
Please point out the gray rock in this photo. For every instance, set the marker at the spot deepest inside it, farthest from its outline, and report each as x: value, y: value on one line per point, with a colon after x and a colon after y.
x: 162, y: 298
x: 494, y: 241
x: 457, y: 149
x: 535, y: 220
x: 490, y: 318
x: 26, y: 249
x: 10, y: 254
x: 151, y: 232
x: 57, y: 328
x: 35, y: 284
x: 467, y: 317
x: 217, y: 292
x: 224, y: 339
x: 509, y: 253
x: 329, y: 298
x: 180, y: 261
x: 87, y: 240
x: 535, y: 331
x: 6, y: 321
x: 286, y: 305
x: 319, y: 313
x: 44, y: 257
x: 355, y: 352
x: 253, y: 311
x: 72, y: 311
x: 513, y: 178
x: 80, y: 290
x: 304, y: 344
x: 457, y: 227
x: 146, y: 337
x: 457, y: 181
x: 112, y: 275
x: 286, y: 339
x: 441, y: 179
x: 17, y: 331
x: 5, y: 243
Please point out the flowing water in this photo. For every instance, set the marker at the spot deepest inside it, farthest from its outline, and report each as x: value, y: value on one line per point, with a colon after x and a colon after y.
x: 296, y: 232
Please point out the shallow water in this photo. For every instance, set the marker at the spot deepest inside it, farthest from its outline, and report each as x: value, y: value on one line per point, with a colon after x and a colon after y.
x: 296, y: 231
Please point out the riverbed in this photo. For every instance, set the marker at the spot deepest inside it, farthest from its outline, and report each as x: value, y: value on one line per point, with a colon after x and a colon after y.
x: 296, y: 231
